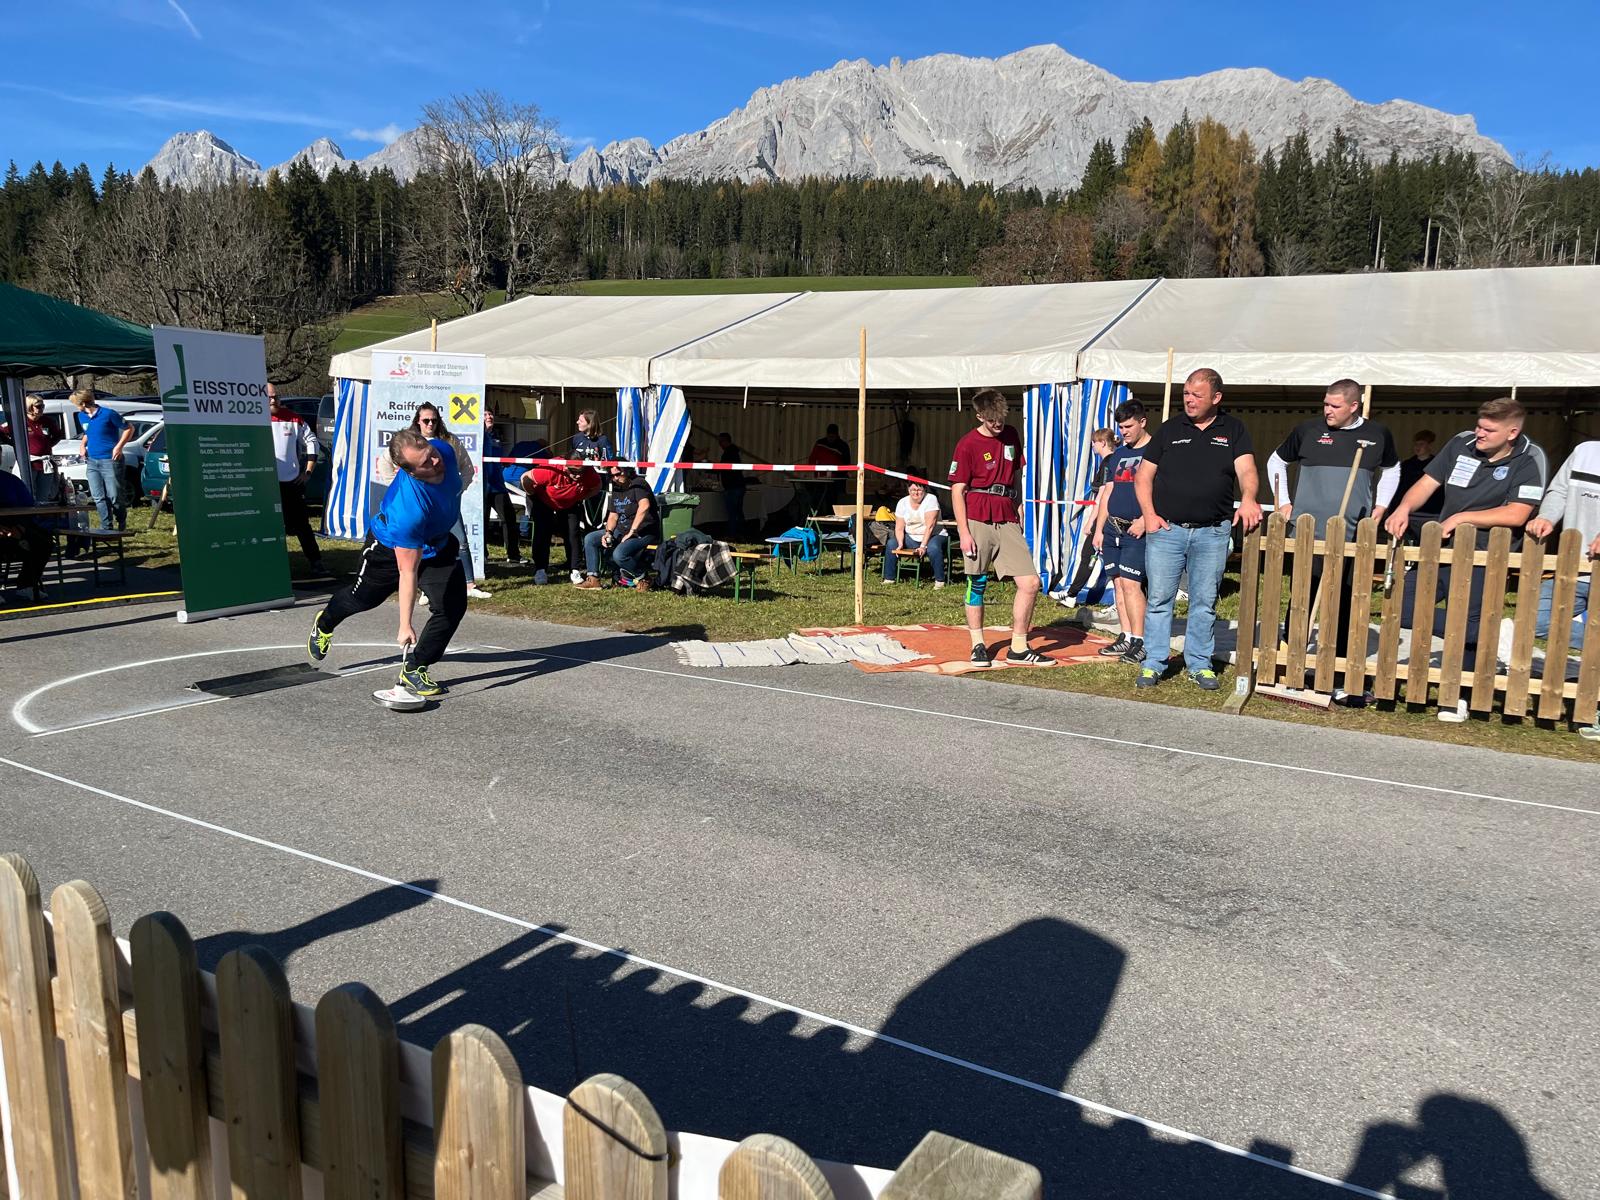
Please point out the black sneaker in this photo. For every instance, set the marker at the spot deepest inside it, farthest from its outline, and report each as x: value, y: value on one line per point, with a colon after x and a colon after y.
x: 317, y: 644
x: 1134, y: 654
x: 418, y: 682
x: 1205, y: 679
x: 1346, y: 699
x: 1030, y: 658
x: 980, y: 655
x: 1117, y: 648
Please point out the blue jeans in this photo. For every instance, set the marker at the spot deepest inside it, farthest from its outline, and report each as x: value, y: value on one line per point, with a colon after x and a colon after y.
x: 629, y: 556
x: 1580, y: 609
x: 1167, y: 552
x: 105, y: 486
x: 936, y: 552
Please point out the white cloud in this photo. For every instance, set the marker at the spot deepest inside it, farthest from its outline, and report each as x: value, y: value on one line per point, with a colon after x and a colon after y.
x: 178, y: 8
x: 387, y: 135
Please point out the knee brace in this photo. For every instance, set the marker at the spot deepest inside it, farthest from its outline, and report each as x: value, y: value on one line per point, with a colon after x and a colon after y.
x: 976, y: 586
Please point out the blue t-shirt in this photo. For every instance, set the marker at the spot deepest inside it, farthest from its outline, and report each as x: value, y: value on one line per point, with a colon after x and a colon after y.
x: 416, y: 515
x: 512, y: 473
x: 103, y: 429
x: 1122, y: 464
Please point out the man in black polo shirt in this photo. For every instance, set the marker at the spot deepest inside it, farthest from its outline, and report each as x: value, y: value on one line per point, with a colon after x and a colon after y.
x: 1185, y: 490
x: 1490, y: 475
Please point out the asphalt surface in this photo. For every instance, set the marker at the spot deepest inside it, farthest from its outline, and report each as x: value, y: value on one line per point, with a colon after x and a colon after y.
x: 1358, y: 954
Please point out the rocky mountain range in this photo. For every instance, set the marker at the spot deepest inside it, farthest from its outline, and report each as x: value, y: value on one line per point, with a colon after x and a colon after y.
x: 1027, y: 119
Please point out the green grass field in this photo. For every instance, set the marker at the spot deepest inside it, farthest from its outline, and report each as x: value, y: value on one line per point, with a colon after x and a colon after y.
x: 394, y: 315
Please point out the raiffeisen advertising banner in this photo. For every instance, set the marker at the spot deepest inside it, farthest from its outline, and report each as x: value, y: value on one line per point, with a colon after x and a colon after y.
x: 452, y: 383
x: 224, y: 483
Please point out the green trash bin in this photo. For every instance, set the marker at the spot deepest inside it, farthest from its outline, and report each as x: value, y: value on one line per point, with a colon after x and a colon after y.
x: 677, y: 512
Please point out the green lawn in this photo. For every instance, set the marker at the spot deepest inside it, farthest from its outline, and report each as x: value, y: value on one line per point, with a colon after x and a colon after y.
x: 392, y: 315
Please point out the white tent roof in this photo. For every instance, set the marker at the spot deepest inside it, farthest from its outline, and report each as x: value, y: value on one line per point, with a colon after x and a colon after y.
x: 916, y: 338
x: 1532, y: 326
x: 574, y: 341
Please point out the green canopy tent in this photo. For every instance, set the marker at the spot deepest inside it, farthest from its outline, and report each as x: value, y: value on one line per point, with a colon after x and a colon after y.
x: 39, y: 333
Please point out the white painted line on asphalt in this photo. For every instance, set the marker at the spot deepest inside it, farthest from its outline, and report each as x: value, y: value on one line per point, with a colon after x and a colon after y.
x: 1066, y: 733
x: 730, y: 989
x: 36, y: 730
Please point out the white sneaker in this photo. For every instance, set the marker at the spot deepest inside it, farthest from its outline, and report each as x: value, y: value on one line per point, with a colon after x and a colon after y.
x: 577, y: 577
x: 937, y: 584
x: 422, y: 599
x: 477, y: 593
x: 888, y: 583
x: 1456, y: 715
x: 541, y: 577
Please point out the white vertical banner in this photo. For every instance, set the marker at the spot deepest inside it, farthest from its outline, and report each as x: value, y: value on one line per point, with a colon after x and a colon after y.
x: 452, y: 383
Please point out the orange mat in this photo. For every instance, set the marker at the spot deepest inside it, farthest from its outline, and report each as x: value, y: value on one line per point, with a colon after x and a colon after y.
x: 949, y: 646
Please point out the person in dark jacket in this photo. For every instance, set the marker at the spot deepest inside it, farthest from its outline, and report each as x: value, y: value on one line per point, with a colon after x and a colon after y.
x: 495, y: 497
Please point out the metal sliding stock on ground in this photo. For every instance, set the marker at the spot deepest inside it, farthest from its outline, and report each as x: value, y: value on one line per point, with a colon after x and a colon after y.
x: 333, y: 1096
x: 1492, y: 610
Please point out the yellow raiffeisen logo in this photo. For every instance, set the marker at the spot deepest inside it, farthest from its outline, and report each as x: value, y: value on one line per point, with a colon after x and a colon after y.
x: 209, y: 395
x: 464, y: 409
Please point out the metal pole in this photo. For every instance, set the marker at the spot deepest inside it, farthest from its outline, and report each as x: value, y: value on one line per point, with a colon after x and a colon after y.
x: 1166, y: 396
x: 861, y: 485
x: 17, y: 414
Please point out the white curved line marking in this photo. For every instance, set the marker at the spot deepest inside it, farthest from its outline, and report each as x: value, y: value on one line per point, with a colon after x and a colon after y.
x: 21, y: 705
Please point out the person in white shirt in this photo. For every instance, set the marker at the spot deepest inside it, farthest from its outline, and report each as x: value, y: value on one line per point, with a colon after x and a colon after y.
x: 916, y: 528
x: 294, y: 446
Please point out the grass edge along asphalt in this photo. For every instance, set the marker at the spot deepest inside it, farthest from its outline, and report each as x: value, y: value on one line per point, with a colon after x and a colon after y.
x: 808, y: 598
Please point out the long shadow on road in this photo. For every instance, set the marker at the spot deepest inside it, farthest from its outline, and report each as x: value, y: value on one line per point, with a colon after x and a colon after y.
x: 1016, y: 1011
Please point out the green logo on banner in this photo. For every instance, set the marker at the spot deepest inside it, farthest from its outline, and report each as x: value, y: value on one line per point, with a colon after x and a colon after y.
x: 176, y: 399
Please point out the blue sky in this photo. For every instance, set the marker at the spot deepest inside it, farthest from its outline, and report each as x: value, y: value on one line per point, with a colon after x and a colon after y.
x: 109, y: 80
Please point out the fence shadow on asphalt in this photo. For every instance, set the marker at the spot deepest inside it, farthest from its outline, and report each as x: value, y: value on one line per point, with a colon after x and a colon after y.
x: 1027, y: 1003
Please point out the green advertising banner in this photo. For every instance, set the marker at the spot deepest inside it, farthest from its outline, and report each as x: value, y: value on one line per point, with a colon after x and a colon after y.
x: 224, y: 480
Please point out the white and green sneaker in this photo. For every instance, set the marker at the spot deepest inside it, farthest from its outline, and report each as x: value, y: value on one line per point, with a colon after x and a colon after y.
x: 418, y: 682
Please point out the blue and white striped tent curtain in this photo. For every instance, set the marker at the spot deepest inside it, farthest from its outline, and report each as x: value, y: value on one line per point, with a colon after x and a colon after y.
x: 669, y: 432
x: 1058, y: 421
x: 345, y: 515
x: 632, y: 422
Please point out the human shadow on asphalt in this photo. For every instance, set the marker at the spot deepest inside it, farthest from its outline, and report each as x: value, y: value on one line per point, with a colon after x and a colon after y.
x: 95, y: 627
x: 370, y: 909
x: 982, y: 1049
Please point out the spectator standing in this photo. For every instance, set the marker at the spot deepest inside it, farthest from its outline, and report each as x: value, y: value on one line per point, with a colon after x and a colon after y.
x: 837, y: 444
x: 1185, y: 489
x: 24, y: 538
x: 733, y: 482
x: 630, y: 527
x: 1572, y: 502
x: 1101, y: 443
x: 555, y: 497
x: 410, y: 549
x: 1489, y: 476
x: 294, y: 447
x: 1118, y: 532
x: 1422, y: 451
x: 1326, y: 448
x: 105, y: 433
x: 43, y: 475
x: 589, y: 443
x: 983, y: 477
x: 495, y: 497
x: 916, y: 528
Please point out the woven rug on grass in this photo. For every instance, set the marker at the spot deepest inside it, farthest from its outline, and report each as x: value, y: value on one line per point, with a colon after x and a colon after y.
x: 946, y: 647
x: 814, y: 649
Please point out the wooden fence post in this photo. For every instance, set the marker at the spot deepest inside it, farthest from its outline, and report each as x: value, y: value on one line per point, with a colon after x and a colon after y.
x: 358, y: 1094
x: 481, y: 1152
x: 1530, y: 572
x: 1563, y: 604
x: 1271, y: 609
x: 89, y: 1009
x: 765, y: 1167
x: 1245, y: 647
x: 172, y: 1058
x: 259, y: 1086
x: 615, y: 1144
x: 1584, y: 706
x: 28, y: 1032
x: 945, y: 1168
x: 1427, y: 577
x: 1305, y: 539
x: 1463, y: 548
x: 1328, y: 614
x: 1358, y: 629
x: 1495, y: 571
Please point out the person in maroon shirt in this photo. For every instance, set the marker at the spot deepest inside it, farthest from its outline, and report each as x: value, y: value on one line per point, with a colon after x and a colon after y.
x: 983, y: 491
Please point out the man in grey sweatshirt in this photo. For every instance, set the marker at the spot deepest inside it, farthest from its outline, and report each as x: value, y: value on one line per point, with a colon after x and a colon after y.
x: 1572, y: 501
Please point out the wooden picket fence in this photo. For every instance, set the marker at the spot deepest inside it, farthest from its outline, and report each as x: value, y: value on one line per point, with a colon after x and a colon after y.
x: 119, y: 1069
x: 1273, y: 556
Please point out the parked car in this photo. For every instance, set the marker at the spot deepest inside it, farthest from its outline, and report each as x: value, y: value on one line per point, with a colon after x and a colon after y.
x: 155, y: 469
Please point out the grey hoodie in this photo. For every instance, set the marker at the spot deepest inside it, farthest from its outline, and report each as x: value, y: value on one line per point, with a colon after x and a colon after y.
x: 1573, y: 497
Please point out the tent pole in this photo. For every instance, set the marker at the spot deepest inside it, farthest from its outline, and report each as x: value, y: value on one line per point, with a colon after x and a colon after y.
x: 1166, y: 396
x: 433, y: 334
x: 861, y: 484
x: 15, y: 406
x: 1366, y: 408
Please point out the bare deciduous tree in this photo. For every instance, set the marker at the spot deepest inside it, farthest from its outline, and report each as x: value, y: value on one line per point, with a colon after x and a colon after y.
x: 1496, y: 220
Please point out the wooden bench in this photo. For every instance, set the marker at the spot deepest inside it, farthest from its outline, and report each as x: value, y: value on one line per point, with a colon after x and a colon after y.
x: 745, y: 563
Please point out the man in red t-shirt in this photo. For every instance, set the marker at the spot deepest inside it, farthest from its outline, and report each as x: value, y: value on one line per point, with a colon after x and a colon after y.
x: 984, y: 490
